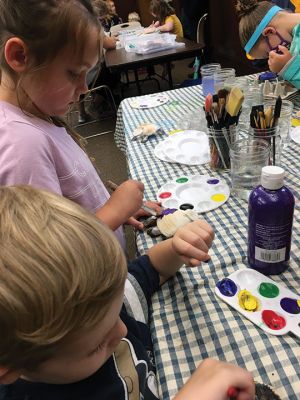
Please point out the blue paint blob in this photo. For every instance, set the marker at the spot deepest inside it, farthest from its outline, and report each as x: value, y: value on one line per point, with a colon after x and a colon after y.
x: 290, y: 305
x: 227, y: 287
x: 213, y: 181
x: 168, y: 211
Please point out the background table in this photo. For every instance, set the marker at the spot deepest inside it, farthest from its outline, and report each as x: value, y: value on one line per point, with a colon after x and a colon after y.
x: 122, y: 61
x: 189, y: 323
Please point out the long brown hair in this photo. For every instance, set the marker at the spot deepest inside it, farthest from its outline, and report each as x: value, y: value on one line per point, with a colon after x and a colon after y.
x: 46, y: 27
x: 161, y: 9
x: 250, y: 13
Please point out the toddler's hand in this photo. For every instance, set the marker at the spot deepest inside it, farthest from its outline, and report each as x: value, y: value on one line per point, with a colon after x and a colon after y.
x: 278, y: 61
x: 213, y: 378
x: 193, y: 241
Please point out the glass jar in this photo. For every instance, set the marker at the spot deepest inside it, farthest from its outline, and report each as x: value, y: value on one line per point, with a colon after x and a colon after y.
x: 207, y: 74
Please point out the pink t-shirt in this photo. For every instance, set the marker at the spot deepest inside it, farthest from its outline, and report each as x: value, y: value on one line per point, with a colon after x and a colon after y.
x: 38, y: 153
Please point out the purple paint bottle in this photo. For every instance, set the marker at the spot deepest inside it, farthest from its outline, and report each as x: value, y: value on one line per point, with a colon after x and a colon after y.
x: 271, y: 210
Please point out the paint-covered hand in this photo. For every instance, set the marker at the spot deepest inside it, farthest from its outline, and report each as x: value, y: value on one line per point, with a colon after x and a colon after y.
x: 213, y: 379
x: 193, y: 241
x: 278, y: 60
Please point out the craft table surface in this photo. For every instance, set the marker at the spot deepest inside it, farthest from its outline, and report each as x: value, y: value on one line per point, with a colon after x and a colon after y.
x: 189, y: 323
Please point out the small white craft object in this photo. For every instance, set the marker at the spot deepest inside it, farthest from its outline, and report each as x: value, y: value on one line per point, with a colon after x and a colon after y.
x: 144, y: 131
x: 169, y: 224
x: 275, y: 89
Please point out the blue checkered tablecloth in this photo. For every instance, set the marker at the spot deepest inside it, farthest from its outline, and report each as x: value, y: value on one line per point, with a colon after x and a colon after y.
x: 189, y: 323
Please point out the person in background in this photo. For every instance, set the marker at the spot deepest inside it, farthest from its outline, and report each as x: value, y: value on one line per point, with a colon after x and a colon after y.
x: 100, y: 74
x: 112, y: 17
x: 71, y: 328
x: 191, y: 12
x: 293, y: 5
x: 268, y: 31
x: 165, y: 18
x: 45, y: 56
x: 134, y: 17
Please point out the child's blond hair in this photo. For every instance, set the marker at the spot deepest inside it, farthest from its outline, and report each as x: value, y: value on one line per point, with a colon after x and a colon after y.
x: 134, y: 17
x: 60, y: 270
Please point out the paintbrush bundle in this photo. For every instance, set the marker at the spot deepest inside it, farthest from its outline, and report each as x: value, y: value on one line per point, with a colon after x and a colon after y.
x: 261, y: 118
x: 264, y: 124
x: 222, y: 112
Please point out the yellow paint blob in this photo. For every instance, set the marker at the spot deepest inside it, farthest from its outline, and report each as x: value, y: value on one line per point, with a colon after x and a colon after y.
x: 175, y: 131
x: 247, y: 301
x: 295, y: 122
x: 298, y: 302
x: 218, y: 197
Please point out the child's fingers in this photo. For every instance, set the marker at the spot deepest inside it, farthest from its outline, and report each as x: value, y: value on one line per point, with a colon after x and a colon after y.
x: 135, y: 223
x: 194, y: 248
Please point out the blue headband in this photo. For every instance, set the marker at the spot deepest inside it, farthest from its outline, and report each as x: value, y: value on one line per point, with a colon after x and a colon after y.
x: 259, y: 30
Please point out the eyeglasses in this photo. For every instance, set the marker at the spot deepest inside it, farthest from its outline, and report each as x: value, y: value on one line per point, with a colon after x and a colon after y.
x: 283, y: 42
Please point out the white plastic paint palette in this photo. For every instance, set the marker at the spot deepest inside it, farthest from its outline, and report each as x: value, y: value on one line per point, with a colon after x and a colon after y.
x: 295, y: 135
x: 149, y: 101
x: 186, y: 147
x: 268, y: 304
x: 201, y: 193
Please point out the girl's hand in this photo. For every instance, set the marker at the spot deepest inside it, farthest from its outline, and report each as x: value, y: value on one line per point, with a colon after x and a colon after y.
x: 124, y: 202
x: 156, y: 206
x: 150, y: 29
x: 193, y: 241
x: 142, y: 213
x: 213, y: 378
x: 278, y: 61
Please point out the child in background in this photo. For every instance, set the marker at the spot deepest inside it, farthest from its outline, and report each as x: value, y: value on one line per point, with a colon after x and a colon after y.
x: 166, y: 19
x: 44, y: 60
x: 65, y: 332
x: 266, y: 31
x: 100, y: 74
x: 112, y: 18
x: 134, y: 17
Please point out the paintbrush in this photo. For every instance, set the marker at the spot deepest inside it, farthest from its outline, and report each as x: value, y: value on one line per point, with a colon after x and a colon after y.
x: 276, y: 116
x: 113, y: 186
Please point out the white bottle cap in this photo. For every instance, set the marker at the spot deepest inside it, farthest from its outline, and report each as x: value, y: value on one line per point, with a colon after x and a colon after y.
x: 272, y: 177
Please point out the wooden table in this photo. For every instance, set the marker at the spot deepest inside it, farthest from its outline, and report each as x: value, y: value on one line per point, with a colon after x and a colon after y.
x: 119, y: 60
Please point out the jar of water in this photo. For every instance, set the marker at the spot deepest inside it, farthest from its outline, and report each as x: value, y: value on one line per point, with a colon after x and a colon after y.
x: 207, y: 73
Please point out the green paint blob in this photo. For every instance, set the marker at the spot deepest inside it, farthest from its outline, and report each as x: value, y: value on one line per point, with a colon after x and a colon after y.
x: 269, y: 290
x: 181, y: 180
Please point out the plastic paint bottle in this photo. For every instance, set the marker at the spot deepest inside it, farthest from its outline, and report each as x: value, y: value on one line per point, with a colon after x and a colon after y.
x: 271, y: 210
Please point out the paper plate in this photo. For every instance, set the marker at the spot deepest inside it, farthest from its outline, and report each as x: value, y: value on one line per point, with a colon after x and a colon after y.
x: 268, y: 304
x: 199, y: 192
x: 149, y: 101
x: 187, y: 147
x: 295, y: 134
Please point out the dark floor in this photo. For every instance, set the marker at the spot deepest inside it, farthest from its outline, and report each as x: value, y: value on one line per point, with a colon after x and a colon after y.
x: 109, y: 160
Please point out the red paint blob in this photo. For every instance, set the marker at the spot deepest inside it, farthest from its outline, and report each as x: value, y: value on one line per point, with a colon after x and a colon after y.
x: 165, y: 195
x: 273, y: 320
